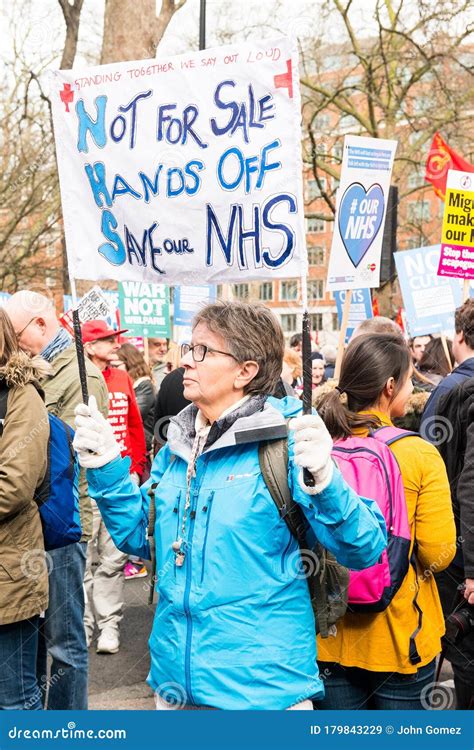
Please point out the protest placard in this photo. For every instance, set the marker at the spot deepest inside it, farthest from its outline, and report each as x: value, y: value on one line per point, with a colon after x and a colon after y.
x: 360, y: 309
x: 360, y: 213
x: 188, y: 300
x: 457, y: 234
x: 109, y: 295
x: 429, y: 299
x: 97, y: 304
x: 144, y: 309
x: 185, y: 169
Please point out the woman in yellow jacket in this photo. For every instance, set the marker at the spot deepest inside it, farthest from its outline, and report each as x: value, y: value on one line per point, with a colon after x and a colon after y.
x: 367, y: 664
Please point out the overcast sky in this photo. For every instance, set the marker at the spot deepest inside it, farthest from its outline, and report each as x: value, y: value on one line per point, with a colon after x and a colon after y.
x: 42, y: 22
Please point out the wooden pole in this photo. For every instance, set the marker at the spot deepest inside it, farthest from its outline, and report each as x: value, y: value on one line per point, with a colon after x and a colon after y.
x: 446, y: 350
x: 342, y: 333
x: 466, y: 289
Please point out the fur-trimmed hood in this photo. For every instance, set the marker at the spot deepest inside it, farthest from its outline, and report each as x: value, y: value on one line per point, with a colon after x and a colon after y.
x: 22, y: 369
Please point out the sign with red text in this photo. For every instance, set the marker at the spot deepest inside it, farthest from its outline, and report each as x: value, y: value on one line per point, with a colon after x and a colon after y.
x: 457, y: 234
x: 184, y: 170
x: 96, y: 304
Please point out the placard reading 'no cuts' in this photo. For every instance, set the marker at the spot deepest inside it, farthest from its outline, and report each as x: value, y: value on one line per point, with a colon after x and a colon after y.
x: 185, y: 169
x: 429, y: 300
x: 457, y: 238
x: 360, y: 213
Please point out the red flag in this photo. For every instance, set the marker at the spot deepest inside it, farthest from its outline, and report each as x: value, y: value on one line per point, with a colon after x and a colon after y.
x: 375, y: 307
x: 440, y: 159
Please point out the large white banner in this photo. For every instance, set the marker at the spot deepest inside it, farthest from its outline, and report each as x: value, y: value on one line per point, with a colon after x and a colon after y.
x: 185, y: 169
x: 360, y: 213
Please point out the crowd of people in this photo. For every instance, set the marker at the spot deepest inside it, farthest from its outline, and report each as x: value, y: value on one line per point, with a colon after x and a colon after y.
x: 171, y: 451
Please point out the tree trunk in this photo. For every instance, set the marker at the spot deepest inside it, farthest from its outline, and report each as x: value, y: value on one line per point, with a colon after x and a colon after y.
x: 132, y: 31
x: 72, y: 17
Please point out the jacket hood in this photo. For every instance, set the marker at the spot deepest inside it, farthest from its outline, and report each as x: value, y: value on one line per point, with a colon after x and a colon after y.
x: 268, y: 423
x: 21, y: 369
x: 290, y: 406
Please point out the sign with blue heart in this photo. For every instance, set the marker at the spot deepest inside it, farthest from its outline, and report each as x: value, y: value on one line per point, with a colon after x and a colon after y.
x: 360, y: 216
x: 356, y: 248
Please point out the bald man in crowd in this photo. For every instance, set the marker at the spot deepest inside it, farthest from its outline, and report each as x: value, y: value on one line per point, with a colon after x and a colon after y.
x: 38, y: 331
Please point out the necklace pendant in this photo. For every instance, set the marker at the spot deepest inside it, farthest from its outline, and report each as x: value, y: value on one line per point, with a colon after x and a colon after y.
x: 179, y: 560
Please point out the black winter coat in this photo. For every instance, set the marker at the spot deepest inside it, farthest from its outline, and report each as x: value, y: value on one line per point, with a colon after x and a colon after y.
x: 465, y: 498
x: 145, y: 395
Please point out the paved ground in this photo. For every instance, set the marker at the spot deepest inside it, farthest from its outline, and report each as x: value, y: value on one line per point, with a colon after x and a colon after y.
x: 117, y: 681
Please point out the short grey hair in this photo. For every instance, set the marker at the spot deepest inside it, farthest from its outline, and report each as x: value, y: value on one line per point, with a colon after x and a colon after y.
x: 251, y: 332
x: 378, y: 324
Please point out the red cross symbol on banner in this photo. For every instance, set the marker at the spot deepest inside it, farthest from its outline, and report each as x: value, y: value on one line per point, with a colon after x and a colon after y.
x: 66, y: 95
x: 285, y: 80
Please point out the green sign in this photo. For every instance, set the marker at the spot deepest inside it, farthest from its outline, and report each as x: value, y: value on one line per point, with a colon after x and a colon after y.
x: 144, y: 309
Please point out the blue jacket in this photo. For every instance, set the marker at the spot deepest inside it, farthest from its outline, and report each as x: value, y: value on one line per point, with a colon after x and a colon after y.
x: 234, y: 626
x: 458, y: 375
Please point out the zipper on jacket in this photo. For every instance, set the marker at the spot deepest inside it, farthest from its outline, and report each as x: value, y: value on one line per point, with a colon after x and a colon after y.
x: 176, y: 510
x: 187, y: 587
x: 367, y: 450
x: 187, y: 590
x: 207, y: 510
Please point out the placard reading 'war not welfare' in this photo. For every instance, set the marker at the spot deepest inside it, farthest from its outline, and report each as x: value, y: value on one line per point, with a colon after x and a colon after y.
x: 144, y: 309
x: 185, y: 169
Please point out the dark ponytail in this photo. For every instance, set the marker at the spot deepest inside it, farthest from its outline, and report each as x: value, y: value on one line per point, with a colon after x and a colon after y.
x: 369, y: 361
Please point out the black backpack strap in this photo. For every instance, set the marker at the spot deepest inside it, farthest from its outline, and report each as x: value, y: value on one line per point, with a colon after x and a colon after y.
x: 415, y: 657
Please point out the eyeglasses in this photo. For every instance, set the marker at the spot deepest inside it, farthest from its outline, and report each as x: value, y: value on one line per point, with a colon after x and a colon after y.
x: 199, y: 351
x: 19, y: 334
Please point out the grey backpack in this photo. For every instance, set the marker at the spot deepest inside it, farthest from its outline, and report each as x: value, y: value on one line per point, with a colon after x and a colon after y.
x: 327, y: 579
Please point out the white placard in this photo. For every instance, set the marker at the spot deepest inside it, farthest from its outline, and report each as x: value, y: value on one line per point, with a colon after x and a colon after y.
x: 185, y: 169
x: 361, y: 208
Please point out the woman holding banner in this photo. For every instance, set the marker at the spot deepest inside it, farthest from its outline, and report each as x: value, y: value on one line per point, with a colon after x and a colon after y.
x: 234, y: 626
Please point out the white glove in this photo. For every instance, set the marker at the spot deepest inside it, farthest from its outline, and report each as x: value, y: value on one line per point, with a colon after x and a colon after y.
x: 313, y: 446
x: 94, y: 440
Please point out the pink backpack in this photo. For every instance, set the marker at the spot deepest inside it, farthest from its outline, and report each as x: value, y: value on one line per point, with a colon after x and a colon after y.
x: 370, y: 468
